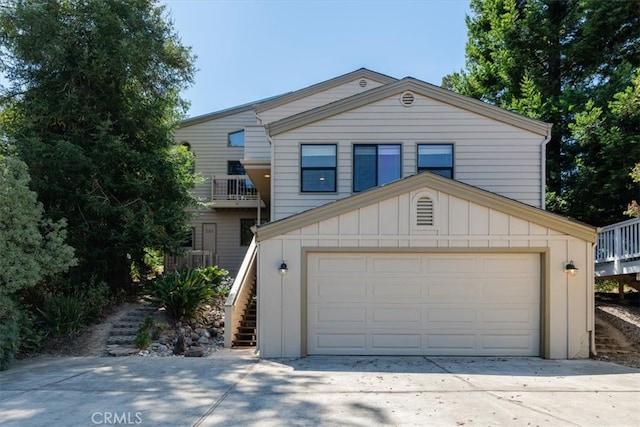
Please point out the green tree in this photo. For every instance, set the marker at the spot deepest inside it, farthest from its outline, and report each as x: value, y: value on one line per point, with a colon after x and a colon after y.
x: 32, y: 246
x: 93, y: 100
x: 609, y: 138
x: 546, y: 59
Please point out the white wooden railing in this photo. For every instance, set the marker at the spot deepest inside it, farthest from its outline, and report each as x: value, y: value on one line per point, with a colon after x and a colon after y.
x: 239, y: 294
x: 618, y: 249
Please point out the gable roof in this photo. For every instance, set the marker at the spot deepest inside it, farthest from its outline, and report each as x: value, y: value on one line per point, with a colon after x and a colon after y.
x: 361, y: 73
x: 398, y: 87
x: 435, y: 182
x: 275, y: 101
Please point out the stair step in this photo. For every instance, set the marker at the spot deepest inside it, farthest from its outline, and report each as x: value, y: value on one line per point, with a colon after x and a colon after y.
x: 124, y: 331
x: 122, y: 339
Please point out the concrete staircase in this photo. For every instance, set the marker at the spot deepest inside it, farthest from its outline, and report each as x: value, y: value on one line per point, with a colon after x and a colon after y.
x: 247, y: 333
x: 121, y: 339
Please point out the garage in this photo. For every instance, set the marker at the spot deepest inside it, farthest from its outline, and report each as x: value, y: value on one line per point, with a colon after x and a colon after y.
x: 417, y: 303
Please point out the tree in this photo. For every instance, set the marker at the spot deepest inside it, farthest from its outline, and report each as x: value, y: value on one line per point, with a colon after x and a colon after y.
x: 93, y: 99
x: 32, y: 247
x: 610, y: 141
x: 546, y: 59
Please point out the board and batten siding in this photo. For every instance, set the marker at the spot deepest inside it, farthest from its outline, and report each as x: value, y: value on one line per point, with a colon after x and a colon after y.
x: 462, y: 227
x: 488, y: 154
x: 316, y: 100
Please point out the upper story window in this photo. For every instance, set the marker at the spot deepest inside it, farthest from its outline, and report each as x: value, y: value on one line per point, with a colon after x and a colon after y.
x: 375, y: 165
x: 236, y: 139
x: 437, y: 158
x: 318, y: 168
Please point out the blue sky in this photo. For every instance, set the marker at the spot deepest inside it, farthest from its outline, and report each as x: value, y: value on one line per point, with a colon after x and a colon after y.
x: 250, y: 50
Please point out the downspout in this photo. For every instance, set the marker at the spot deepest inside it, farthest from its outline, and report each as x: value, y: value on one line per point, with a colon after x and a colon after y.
x: 543, y: 157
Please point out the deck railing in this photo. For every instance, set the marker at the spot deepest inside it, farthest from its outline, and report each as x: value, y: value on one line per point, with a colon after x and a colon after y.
x: 232, y: 187
x: 619, y: 242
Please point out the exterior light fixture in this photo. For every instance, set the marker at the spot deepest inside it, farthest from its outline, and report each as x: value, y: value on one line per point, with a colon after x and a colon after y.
x: 570, y: 268
x: 283, y: 269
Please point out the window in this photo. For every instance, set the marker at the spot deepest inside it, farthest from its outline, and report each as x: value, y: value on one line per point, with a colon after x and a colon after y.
x: 317, y: 168
x: 236, y: 139
x: 375, y: 165
x: 437, y: 158
x: 188, y: 243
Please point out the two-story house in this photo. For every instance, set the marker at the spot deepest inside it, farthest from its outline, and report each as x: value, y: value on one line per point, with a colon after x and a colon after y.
x: 401, y: 219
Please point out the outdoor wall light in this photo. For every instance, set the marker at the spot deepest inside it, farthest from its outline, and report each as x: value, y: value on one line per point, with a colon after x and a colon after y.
x: 570, y: 268
x: 283, y: 269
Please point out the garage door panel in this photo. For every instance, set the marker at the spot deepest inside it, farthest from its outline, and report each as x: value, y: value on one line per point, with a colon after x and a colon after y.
x: 456, y: 304
x: 505, y: 342
x: 451, y: 316
x: 341, y: 341
x: 450, y: 343
x: 398, y: 265
x: 396, y: 341
x: 443, y: 289
x: 339, y: 289
x: 451, y: 266
x: 386, y: 290
x: 339, y: 315
x: 394, y: 316
x: 351, y: 264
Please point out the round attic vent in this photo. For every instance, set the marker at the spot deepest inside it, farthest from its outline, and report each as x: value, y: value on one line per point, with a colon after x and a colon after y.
x: 362, y: 83
x: 407, y: 99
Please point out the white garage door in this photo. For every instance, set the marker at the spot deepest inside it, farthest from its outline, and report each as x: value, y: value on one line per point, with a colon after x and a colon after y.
x: 423, y: 304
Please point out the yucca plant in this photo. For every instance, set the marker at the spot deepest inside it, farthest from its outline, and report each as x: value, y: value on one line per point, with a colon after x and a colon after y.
x: 180, y: 292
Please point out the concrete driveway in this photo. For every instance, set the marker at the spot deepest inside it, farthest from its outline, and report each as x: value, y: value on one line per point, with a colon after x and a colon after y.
x: 234, y: 388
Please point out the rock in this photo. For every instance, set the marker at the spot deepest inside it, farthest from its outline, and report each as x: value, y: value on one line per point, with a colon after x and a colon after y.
x: 178, y: 348
x: 216, y: 324
x: 194, y: 352
x: 204, y: 333
x: 213, y: 332
x: 203, y: 340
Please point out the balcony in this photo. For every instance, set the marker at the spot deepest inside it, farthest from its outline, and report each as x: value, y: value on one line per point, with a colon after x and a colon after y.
x: 228, y: 191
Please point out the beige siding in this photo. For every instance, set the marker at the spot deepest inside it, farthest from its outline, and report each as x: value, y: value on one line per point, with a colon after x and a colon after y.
x: 256, y: 147
x: 462, y: 226
x: 208, y: 141
x: 229, y: 252
x: 488, y: 154
x: 316, y: 100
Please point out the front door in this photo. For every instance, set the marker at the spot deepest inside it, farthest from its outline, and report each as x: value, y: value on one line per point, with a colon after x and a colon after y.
x: 209, y: 238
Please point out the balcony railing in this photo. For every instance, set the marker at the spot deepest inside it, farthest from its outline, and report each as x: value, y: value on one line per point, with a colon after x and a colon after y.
x: 232, y: 187
x: 618, y: 249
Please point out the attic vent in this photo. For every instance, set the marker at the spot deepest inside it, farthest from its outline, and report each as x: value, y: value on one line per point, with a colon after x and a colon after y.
x: 407, y: 99
x: 424, y: 211
x: 362, y: 83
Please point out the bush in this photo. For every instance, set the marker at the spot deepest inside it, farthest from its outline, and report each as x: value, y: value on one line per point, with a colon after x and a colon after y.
x: 9, y: 331
x: 63, y: 314
x: 606, y: 286
x: 182, y: 292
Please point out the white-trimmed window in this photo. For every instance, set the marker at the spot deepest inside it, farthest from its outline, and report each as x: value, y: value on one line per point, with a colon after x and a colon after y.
x: 236, y: 139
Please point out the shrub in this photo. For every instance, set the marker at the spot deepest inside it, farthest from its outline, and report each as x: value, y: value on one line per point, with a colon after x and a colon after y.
x: 182, y: 292
x: 9, y: 331
x: 63, y: 314
x: 606, y: 286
